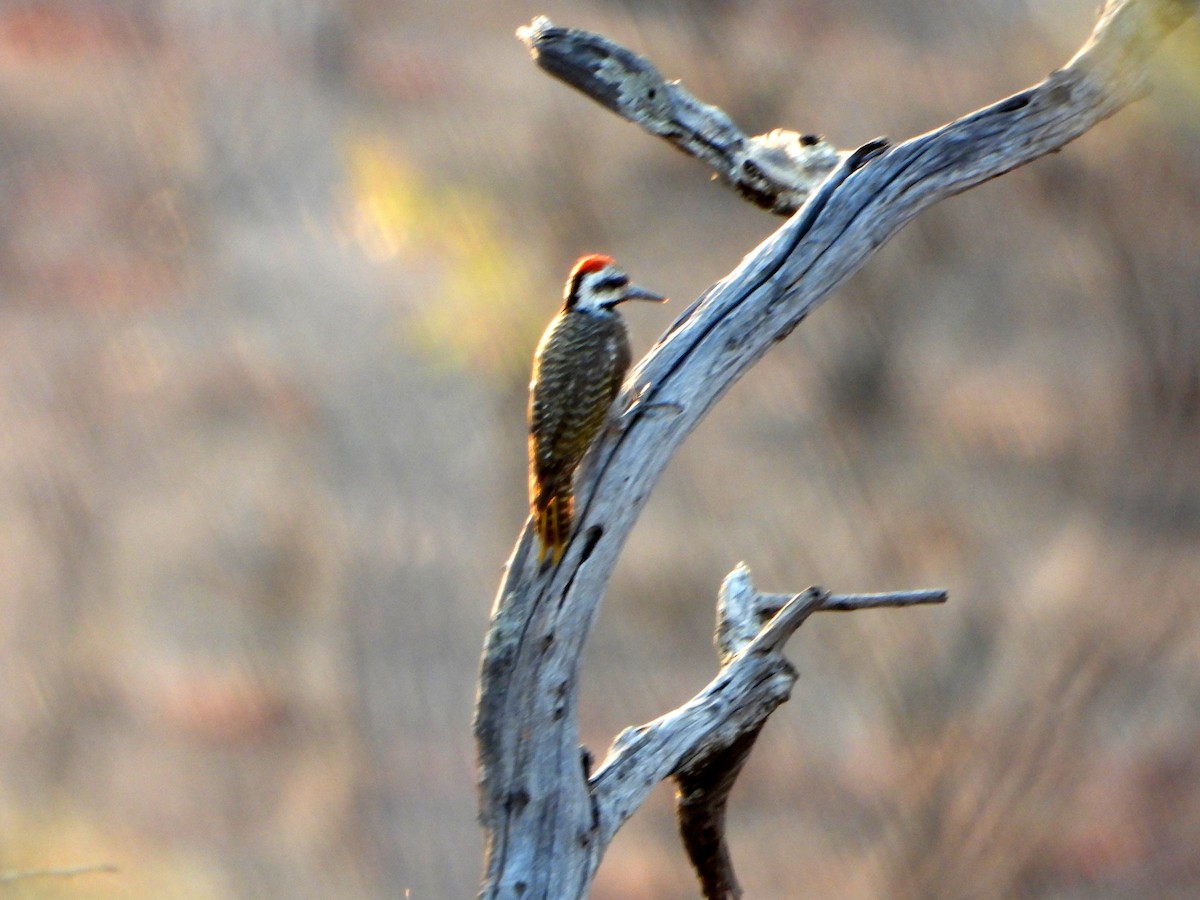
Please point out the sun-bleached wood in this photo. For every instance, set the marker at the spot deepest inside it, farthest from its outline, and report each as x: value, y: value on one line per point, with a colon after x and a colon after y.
x: 776, y: 170
x: 704, y: 743
x: 548, y: 821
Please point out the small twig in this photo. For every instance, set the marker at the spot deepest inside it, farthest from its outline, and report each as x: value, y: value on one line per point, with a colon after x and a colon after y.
x: 776, y: 171
x: 69, y: 872
x: 850, y: 602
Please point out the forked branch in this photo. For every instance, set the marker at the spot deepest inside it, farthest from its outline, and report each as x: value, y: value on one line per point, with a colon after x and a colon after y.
x: 548, y: 823
x: 704, y: 743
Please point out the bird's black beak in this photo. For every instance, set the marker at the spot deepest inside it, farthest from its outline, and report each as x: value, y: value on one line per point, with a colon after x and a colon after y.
x: 633, y: 292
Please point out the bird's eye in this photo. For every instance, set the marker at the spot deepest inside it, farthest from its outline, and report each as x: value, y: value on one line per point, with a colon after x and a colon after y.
x: 612, y: 282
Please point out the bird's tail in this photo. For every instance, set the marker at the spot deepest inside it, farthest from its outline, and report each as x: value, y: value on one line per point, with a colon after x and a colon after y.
x: 552, y: 520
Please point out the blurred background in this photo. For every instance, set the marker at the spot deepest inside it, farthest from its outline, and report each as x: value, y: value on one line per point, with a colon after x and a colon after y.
x: 271, y: 275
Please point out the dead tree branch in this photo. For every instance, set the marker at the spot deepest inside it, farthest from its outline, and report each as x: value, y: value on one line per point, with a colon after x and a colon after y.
x: 704, y: 743
x: 548, y: 823
x: 776, y: 170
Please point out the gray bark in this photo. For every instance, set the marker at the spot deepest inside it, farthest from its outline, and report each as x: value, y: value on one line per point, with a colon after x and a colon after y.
x: 548, y: 820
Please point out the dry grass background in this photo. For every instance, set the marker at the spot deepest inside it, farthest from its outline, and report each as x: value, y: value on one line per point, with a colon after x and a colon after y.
x: 270, y: 277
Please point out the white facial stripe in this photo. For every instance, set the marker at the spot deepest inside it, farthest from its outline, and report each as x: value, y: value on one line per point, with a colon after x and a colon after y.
x: 599, y: 290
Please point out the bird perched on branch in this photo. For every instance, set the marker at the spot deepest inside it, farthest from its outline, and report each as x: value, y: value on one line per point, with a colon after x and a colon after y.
x: 577, y: 370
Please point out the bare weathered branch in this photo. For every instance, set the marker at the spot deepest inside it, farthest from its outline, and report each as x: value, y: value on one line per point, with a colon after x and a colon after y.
x: 547, y: 822
x: 776, y: 170
x: 704, y: 743
x: 738, y: 700
x: 701, y: 797
x: 704, y: 783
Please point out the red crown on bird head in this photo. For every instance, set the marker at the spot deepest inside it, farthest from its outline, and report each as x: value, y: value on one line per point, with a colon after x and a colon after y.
x: 591, y: 263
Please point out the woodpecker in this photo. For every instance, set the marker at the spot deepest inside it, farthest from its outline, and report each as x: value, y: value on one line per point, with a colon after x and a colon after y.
x: 578, y: 368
